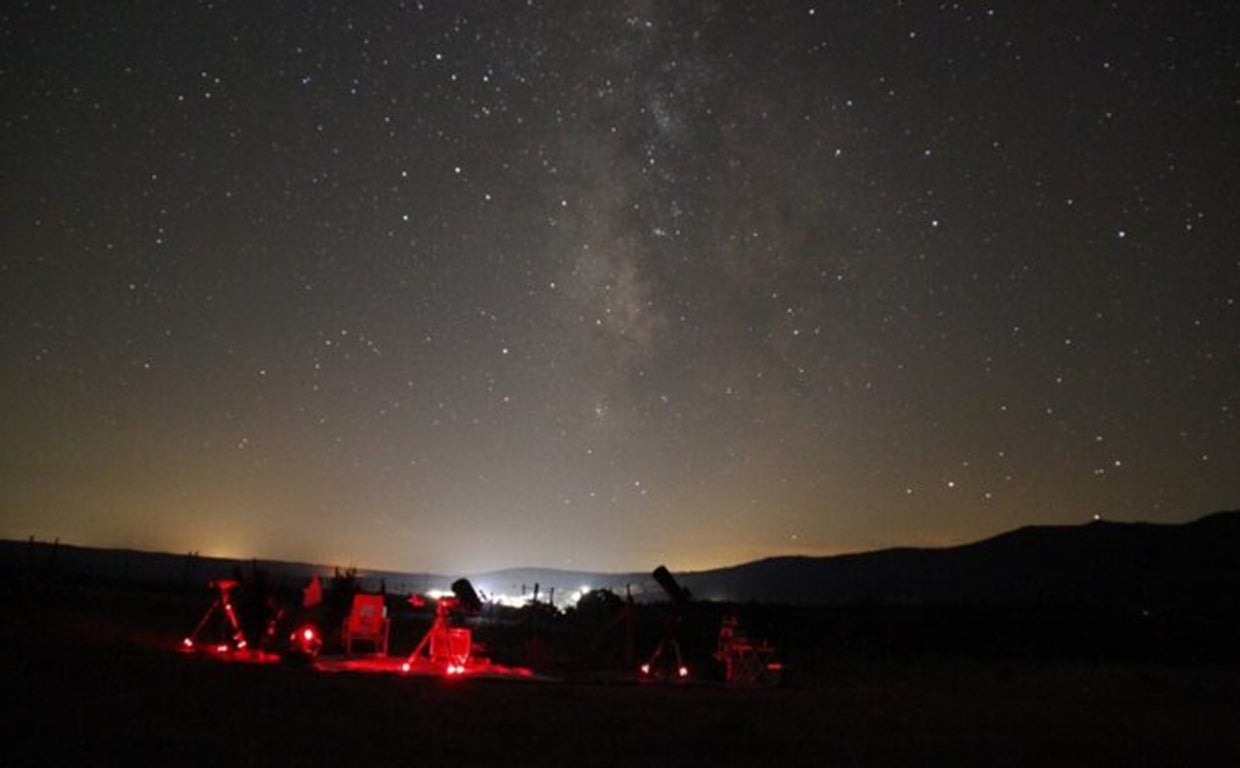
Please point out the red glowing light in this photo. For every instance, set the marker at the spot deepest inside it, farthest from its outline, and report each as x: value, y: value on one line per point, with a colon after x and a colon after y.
x: 683, y: 671
x: 187, y: 643
x: 645, y: 669
x: 305, y: 641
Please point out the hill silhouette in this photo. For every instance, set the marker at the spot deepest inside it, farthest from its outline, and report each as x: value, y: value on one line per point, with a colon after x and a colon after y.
x: 1190, y: 566
x: 1138, y: 564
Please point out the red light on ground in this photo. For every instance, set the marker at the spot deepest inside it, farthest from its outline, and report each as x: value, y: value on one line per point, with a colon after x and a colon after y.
x: 683, y: 671
x: 305, y: 641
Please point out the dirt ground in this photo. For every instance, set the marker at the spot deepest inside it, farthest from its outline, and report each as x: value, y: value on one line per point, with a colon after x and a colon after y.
x: 92, y: 679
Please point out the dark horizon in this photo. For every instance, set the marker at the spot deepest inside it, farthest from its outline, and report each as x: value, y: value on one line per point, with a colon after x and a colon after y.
x: 1099, y: 562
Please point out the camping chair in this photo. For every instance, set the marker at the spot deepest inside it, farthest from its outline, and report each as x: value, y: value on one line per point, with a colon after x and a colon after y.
x: 367, y: 622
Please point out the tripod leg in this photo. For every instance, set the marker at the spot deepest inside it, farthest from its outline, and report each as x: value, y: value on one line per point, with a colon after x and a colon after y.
x: 193, y: 636
x: 238, y: 635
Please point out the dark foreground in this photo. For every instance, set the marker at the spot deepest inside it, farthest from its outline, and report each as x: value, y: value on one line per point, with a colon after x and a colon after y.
x: 97, y: 681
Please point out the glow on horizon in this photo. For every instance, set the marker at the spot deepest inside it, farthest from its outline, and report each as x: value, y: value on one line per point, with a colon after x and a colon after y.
x: 673, y: 316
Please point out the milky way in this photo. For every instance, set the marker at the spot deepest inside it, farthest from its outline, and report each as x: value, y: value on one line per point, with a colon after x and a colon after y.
x: 458, y: 286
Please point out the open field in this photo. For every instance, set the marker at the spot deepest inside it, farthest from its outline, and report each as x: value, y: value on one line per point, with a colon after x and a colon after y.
x: 94, y: 677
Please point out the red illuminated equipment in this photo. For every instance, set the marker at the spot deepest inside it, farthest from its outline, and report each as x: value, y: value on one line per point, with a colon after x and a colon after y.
x: 444, y: 645
x: 218, y: 630
x: 367, y: 623
x: 745, y: 661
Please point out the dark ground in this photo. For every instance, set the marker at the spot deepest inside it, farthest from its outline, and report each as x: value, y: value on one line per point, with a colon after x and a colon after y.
x: 93, y: 677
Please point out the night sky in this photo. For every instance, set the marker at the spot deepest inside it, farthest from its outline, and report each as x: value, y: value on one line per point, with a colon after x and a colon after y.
x: 460, y: 286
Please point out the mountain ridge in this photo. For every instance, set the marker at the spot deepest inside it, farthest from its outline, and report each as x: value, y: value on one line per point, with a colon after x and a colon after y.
x: 1188, y: 564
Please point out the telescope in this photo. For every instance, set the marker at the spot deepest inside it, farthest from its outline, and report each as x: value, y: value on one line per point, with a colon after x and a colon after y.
x: 661, y: 664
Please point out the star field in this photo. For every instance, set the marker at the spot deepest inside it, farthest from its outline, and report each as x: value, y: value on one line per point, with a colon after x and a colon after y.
x: 441, y: 286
